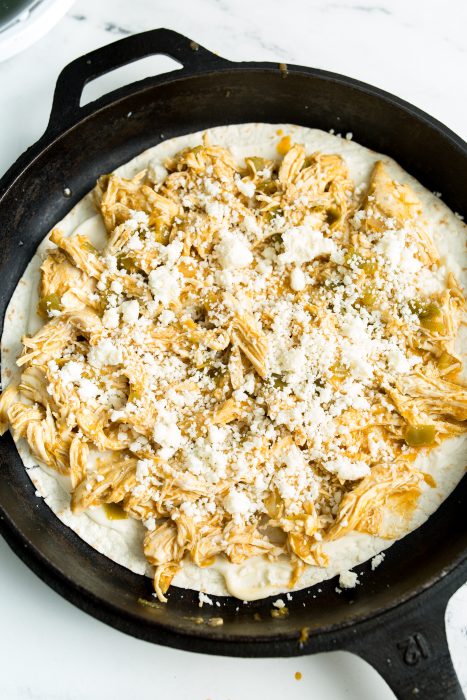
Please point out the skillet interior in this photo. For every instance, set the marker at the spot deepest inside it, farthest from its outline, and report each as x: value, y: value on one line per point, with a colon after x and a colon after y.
x: 30, y: 206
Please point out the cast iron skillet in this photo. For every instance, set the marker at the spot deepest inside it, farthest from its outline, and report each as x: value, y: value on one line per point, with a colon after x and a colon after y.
x: 395, y: 620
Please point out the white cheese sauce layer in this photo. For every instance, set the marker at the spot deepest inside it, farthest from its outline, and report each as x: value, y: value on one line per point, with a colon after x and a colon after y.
x: 121, y: 540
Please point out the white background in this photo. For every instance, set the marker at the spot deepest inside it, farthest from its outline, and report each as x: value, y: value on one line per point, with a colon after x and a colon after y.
x: 417, y: 49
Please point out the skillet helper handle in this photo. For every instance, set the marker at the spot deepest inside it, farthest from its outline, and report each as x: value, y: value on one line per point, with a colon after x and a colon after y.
x: 410, y: 650
x: 66, y: 108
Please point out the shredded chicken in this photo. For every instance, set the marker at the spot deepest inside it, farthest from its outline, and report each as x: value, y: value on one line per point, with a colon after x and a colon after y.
x: 250, y: 365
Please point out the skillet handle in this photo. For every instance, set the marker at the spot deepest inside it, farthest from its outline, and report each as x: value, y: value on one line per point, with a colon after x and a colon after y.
x: 66, y: 108
x: 410, y: 650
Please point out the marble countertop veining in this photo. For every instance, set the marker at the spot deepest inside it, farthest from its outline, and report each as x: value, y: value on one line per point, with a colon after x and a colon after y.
x: 50, y: 650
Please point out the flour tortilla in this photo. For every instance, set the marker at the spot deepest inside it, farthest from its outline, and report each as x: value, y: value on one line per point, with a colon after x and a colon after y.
x: 122, y: 540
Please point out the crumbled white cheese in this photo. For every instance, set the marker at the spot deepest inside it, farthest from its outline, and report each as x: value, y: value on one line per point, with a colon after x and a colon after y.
x: 293, y: 457
x: 137, y: 219
x: 190, y: 509
x: 87, y: 390
x: 167, y: 433
x: 203, y: 598
x: 246, y: 187
x: 397, y: 360
x: 71, y: 372
x: 347, y: 469
x: 111, y: 318
x: 225, y: 279
x: 249, y: 383
x: 105, y: 353
x: 164, y: 284
x: 269, y: 253
x: 303, y: 244
x: 391, y: 246
x: 348, y: 579
x: 140, y: 443
x: 216, y: 433
x: 157, y: 172
x: 111, y: 263
x: 353, y: 357
x: 173, y: 251
x: 150, y: 524
x: 116, y: 287
x: 142, y: 469
x: 279, y: 603
x: 135, y: 243
x: 130, y: 311
x: 166, y: 316
x: 297, y: 279
x: 377, y: 560
x: 251, y: 225
x: 233, y: 250
x: 237, y: 502
x: 216, y: 210
x: 354, y: 327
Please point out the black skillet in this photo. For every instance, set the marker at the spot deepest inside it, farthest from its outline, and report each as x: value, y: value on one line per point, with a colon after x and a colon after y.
x: 395, y: 620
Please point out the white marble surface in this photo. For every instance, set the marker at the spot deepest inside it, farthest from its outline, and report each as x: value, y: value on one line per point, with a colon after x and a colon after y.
x: 49, y: 650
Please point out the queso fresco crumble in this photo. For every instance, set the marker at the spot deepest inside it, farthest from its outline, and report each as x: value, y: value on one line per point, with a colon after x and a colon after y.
x: 252, y: 362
